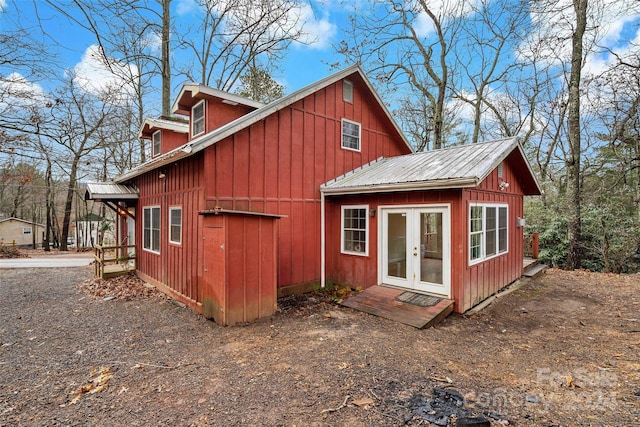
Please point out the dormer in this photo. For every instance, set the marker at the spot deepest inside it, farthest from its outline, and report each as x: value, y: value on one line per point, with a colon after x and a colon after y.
x: 210, y: 108
x: 164, y: 134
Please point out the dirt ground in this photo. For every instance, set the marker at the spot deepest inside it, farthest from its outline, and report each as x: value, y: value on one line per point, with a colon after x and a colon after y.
x: 563, y: 350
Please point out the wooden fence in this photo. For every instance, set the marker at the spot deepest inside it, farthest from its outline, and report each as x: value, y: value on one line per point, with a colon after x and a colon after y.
x: 114, y: 260
x: 531, y: 245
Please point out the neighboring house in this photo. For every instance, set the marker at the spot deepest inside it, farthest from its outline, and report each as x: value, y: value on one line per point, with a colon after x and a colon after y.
x: 250, y: 197
x: 89, y: 229
x: 20, y: 232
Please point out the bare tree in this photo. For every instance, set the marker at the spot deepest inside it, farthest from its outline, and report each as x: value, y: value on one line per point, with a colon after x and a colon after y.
x: 574, y: 251
x: 133, y: 41
x: 486, y: 62
x: 232, y: 34
x: 78, y: 118
x: 411, y: 43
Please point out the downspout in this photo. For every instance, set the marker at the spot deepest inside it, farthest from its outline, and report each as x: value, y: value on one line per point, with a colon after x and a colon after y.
x: 322, y: 242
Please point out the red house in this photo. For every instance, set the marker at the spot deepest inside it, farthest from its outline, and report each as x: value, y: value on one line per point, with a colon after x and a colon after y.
x: 244, y: 201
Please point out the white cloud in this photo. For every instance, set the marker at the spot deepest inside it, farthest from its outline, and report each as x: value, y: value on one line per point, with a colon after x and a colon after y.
x: 17, y: 91
x: 318, y: 32
x: 462, y: 109
x: 443, y: 10
x: 185, y: 7
x: 94, y: 76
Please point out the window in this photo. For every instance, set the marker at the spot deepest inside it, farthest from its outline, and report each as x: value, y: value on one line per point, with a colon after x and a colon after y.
x: 151, y: 229
x: 175, y: 225
x: 347, y: 91
x: 155, y: 143
x: 26, y: 230
x: 350, y: 135
x: 487, y: 231
x: 355, y: 223
x: 197, y: 118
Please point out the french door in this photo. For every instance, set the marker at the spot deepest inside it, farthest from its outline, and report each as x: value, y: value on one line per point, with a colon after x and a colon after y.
x: 415, y: 252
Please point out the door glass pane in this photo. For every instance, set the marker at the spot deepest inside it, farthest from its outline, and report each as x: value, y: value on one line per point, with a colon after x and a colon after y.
x: 431, y: 247
x: 397, y: 245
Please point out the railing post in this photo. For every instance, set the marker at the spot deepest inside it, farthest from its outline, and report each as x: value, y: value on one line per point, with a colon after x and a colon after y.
x: 534, y: 244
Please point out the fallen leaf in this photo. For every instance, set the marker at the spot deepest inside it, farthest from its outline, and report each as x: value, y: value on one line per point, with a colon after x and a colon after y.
x: 365, y: 401
x: 96, y: 384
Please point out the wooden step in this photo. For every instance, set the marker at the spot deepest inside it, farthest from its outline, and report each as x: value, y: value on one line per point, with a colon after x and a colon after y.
x: 534, y: 270
x: 383, y: 301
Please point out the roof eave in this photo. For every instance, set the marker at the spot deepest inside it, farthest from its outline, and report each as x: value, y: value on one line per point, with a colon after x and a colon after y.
x: 196, y: 89
x: 162, y: 160
x: 164, y: 125
x: 446, y: 184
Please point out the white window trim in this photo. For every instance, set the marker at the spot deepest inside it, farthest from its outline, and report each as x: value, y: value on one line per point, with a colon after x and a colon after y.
x: 171, y: 209
x: 366, y: 230
x: 344, y: 97
x: 27, y: 230
x: 151, y: 229
x: 342, y: 135
x: 483, y: 257
x: 153, y: 143
x: 204, y: 115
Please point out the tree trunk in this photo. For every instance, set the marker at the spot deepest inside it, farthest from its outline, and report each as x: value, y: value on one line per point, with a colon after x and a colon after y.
x: 68, y: 204
x: 574, y: 250
x: 140, y: 101
x: 166, y: 65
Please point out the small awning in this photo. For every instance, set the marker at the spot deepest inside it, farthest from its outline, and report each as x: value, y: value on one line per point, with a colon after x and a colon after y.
x: 110, y: 191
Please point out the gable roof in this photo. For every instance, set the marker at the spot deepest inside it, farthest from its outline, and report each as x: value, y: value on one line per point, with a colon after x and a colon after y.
x: 12, y: 218
x: 176, y: 125
x: 210, y: 138
x: 195, y: 89
x: 454, y: 167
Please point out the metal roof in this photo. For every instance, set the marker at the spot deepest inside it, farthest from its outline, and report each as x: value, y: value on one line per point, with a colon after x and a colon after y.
x: 201, y: 142
x: 110, y: 191
x: 454, y: 167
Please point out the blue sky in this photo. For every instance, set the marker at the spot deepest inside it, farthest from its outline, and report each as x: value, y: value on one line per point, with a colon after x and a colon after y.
x: 304, y: 63
x: 325, y: 22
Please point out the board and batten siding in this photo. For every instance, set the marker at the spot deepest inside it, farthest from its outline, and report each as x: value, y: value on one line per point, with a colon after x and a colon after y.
x: 176, y: 267
x: 170, y: 140
x: 470, y: 284
x: 277, y: 165
x: 484, y: 279
x: 362, y: 271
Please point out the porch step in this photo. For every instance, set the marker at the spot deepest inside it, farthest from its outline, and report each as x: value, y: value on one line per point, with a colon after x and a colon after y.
x: 534, y: 270
x: 383, y: 302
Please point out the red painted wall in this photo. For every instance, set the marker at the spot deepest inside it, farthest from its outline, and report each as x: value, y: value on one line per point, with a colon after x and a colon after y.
x: 469, y: 284
x: 484, y: 279
x: 239, y: 276
x: 278, y: 164
x: 170, y: 140
x: 218, y: 113
x: 177, y: 265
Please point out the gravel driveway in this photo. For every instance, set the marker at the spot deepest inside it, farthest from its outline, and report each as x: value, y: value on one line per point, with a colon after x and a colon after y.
x: 69, y: 358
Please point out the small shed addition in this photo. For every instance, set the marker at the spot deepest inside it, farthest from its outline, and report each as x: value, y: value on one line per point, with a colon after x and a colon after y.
x: 446, y: 222
x: 240, y: 270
